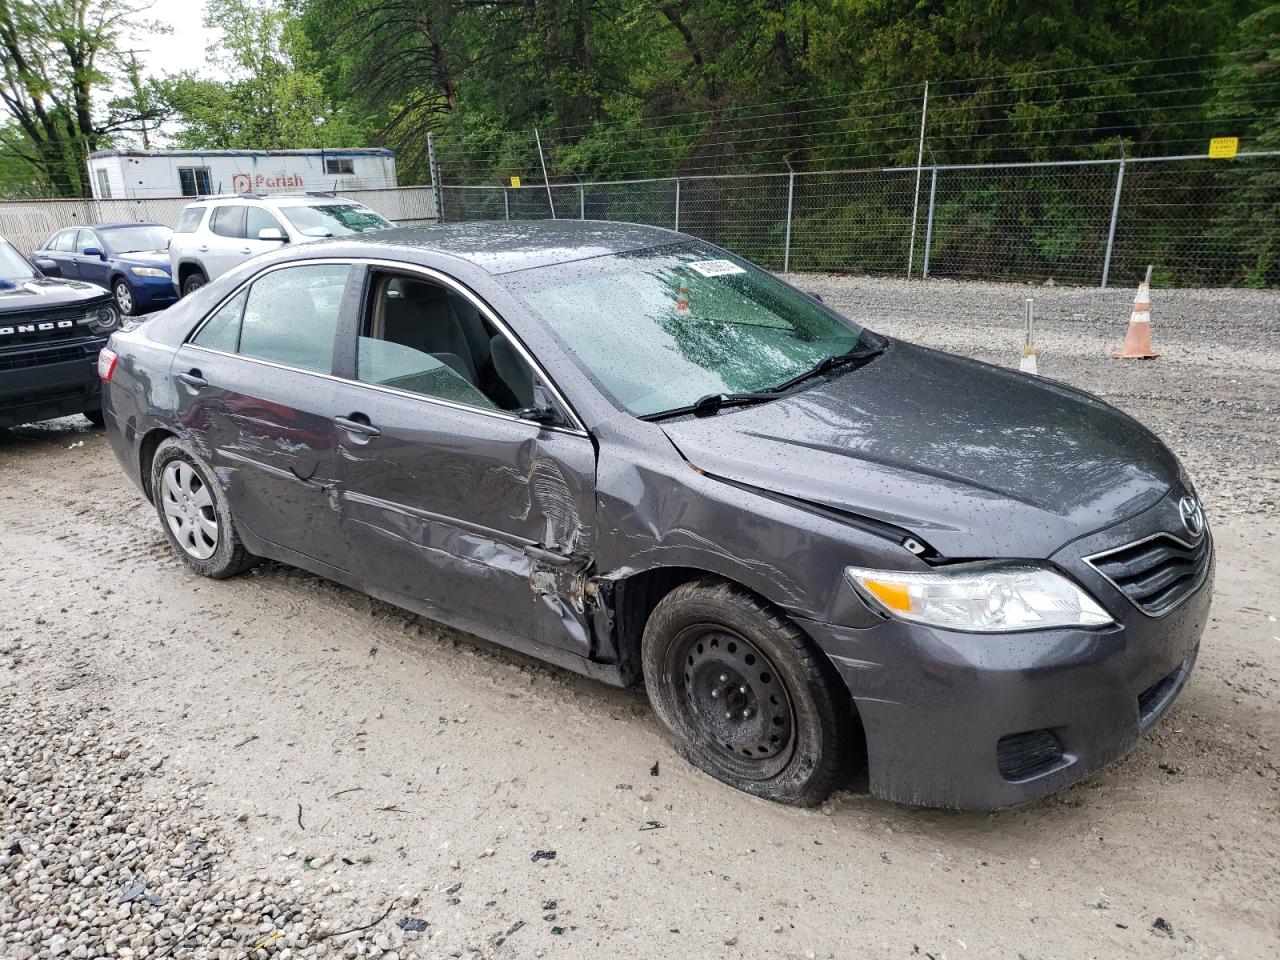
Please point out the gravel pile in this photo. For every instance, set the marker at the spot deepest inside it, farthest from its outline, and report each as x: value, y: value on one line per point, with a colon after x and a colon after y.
x: 92, y: 866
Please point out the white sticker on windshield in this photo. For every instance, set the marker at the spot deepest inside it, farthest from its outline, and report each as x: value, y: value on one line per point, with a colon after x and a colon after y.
x: 716, y: 268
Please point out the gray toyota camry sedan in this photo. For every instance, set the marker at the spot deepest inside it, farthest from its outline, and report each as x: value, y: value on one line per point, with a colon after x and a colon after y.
x: 637, y: 456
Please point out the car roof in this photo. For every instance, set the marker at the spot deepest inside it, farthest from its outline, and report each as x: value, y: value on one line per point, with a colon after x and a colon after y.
x: 294, y: 199
x: 122, y: 226
x: 504, y: 246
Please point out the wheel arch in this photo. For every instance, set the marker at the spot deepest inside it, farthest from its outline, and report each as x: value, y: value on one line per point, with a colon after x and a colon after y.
x: 151, y: 441
x: 631, y: 600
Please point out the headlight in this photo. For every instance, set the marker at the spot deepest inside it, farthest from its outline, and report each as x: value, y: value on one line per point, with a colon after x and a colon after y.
x: 149, y: 271
x: 101, y: 319
x: 991, y: 597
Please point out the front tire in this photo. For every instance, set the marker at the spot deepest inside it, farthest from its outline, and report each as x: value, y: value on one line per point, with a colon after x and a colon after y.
x: 744, y: 694
x: 124, y: 297
x: 193, y: 282
x: 194, y: 513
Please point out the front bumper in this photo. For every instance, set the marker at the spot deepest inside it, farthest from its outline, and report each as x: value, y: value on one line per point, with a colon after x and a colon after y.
x: 47, y: 380
x: 153, y: 292
x: 959, y: 719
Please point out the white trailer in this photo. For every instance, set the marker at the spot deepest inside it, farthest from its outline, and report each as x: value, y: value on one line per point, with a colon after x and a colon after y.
x: 137, y: 174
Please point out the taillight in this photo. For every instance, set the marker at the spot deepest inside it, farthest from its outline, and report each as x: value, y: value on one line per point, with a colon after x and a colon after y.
x: 107, y: 360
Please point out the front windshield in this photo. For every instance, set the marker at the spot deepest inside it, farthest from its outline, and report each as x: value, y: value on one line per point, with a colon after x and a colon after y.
x: 658, y: 329
x: 13, y: 266
x: 135, y: 239
x: 333, y: 220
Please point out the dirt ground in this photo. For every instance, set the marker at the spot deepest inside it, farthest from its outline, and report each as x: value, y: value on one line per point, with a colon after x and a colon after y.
x: 369, y: 757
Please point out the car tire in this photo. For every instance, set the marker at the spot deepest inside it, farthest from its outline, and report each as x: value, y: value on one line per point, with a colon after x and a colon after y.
x: 194, y: 513
x: 96, y: 417
x: 745, y: 695
x: 125, y: 300
x: 193, y: 282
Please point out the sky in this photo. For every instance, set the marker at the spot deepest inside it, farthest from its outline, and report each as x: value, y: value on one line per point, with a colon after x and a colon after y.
x: 184, y: 48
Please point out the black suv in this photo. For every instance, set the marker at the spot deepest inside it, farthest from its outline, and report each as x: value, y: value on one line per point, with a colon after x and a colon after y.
x: 50, y: 333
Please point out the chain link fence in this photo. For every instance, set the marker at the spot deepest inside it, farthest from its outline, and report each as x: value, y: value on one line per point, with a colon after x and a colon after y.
x: 1201, y: 222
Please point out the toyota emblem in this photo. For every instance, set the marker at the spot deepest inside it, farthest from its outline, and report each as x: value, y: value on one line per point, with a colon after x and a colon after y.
x: 1192, y: 516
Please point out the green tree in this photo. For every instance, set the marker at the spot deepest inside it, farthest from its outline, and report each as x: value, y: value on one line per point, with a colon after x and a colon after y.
x: 60, y: 58
x: 273, y: 97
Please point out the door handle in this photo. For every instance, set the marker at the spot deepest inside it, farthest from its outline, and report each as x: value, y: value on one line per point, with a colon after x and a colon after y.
x: 358, y: 424
x: 193, y: 379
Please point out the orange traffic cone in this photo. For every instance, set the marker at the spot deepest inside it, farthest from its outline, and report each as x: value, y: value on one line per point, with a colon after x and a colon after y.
x: 1137, y: 341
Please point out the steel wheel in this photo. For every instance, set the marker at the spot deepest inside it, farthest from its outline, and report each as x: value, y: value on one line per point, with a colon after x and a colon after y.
x: 189, y: 510
x: 124, y: 298
x: 732, y: 697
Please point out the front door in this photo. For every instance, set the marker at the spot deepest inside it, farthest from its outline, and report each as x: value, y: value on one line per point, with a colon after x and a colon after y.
x: 93, y: 268
x: 255, y: 381
x: 484, y: 519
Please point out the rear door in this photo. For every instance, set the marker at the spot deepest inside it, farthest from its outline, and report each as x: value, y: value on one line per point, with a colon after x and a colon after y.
x: 449, y: 496
x: 62, y: 251
x: 255, y: 383
x: 224, y: 245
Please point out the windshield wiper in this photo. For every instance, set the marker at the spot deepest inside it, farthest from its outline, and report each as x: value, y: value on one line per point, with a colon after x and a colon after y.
x: 827, y: 364
x: 713, y: 403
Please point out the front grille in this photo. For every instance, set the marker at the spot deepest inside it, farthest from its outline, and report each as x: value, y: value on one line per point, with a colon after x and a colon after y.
x: 1156, y: 574
x: 65, y: 322
x: 40, y: 358
x: 1023, y: 755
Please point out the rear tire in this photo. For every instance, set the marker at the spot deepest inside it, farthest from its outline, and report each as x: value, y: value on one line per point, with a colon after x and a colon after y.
x: 96, y: 417
x: 193, y: 282
x: 194, y: 513
x: 745, y: 695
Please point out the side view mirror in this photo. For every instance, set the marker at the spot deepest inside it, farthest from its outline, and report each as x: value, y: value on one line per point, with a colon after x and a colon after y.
x: 272, y: 233
x: 543, y: 409
x: 48, y: 267
x: 93, y: 252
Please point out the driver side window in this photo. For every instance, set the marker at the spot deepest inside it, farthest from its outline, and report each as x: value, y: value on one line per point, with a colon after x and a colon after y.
x: 427, y: 339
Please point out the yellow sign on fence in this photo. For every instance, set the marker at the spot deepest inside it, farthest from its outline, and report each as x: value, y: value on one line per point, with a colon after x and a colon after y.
x: 515, y: 181
x: 1224, y: 148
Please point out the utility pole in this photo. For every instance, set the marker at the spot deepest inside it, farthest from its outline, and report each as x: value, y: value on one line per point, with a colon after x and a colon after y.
x: 137, y: 94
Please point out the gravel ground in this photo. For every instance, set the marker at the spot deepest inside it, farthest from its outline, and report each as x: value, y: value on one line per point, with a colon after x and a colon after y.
x: 257, y: 767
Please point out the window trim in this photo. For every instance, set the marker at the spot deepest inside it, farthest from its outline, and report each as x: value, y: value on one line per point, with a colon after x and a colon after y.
x: 578, y: 429
x: 339, y: 161
x: 195, y: 181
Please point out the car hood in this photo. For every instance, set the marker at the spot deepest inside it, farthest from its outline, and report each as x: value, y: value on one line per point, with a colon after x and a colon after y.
x: 145, y: 258
x: 46, y: 293
x: 976, y: 460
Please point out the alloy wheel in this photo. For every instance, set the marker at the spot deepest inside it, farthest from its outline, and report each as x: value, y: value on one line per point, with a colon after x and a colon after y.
x: 189, y: 509
x: 124, y: 298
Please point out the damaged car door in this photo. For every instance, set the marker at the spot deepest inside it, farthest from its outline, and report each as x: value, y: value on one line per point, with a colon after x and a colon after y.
x: 254, y: 383
x: 466, y: 484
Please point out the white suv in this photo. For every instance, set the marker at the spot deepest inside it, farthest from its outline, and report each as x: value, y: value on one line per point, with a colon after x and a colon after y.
x: 215, y: 234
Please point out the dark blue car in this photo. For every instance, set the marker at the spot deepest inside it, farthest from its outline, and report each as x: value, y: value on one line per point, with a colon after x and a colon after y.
x: 129, y: 259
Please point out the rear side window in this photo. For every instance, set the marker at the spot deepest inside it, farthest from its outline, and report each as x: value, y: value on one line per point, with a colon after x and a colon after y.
x: 222, y: 332
x: 291, y: 316
x: 189, y: 222
x: 65, y: 241
x: 227, y: 221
